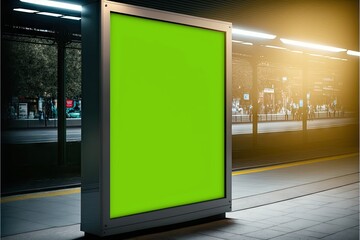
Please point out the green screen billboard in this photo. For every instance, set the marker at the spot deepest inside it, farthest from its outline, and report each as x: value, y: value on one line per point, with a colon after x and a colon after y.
x: 167, y: 114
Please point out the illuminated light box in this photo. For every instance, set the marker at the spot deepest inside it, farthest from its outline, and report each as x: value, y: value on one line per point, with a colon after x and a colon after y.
x: 156, y: 143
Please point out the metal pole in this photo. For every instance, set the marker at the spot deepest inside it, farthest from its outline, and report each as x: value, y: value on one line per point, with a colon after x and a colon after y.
x: 254, y: 96
x: 305, y: 100
x: 61, y: 100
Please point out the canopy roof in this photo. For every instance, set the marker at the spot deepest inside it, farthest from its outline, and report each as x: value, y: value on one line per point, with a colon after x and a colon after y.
x: 331, y: 22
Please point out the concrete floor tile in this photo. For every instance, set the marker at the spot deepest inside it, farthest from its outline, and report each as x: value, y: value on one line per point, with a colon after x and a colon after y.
x: 332, y: 212
x: 218, y: 234
x: 354, y: 216
x: 345, y: 221
x: 327, y: 228
x: 248, y: 216
x: 299, y: 224
x: 239, y: 229
x: 291, y: 203
x: 310, y: 206
x: 308, y: 233
x: 281, y: 229
x: 355, y: 208
x: 332, y: 192
x: 75, y: 196
x: 12, y: 226
x: 58, y: 222
x: 313, y: 217
x: 265, y: 234
x: 292, y: 236
x: 301, y: 201
x: 8, y: 211
x: 300, y: 209
x: 153, y: 237
x: 348, y: 234
x: 344, y: 189
x: 195, y: 236
x: 61, y: 233
x: 42, y: 206
x: 31, y: 215
x: 351, y: 194
x: 278, y: 206
x: 324, y: 199
x: 188, y: 230
x: 348, y: 203
x: 66, y: 199
x: 260, y: 224
x: 21, y: 204
x: 281, y: 219
x: 265, y: 211
x: 241, y: 237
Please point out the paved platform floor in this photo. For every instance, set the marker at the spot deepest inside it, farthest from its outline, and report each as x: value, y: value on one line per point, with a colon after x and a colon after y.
x: 317, y: 200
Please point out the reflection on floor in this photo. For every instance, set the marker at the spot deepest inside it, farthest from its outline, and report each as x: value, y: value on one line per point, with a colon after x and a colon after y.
x: 318, y: 200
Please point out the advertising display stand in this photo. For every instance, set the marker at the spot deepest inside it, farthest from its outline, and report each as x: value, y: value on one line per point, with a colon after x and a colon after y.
x: 156, y: 118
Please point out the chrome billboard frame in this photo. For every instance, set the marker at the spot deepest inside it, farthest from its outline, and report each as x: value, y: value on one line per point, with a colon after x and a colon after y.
x: 95, y: 194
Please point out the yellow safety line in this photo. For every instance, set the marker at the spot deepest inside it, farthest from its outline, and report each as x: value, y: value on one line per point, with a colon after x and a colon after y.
x: 255, y: 170
x: 286, y: 165
x: 40, y: 195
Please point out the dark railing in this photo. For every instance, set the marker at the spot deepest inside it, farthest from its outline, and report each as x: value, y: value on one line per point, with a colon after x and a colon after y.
x: 246, y: 118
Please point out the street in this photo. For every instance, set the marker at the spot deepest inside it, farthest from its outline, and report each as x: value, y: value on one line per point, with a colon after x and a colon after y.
x: 73, y: 134
x: 285, y: 126
x: 39, y: 135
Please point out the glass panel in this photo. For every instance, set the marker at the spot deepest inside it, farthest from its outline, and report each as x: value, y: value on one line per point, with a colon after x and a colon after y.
x: 30, y: 113
x: 326, y: 95
x: 73, y: 94
x: 331, y: 103
x: 296, y: 91
x: 29, y: 125
x: 280, y: 95
x: 242, y: 97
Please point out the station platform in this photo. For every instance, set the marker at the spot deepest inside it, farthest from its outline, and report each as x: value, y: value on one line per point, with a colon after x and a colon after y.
x: 312, y: 199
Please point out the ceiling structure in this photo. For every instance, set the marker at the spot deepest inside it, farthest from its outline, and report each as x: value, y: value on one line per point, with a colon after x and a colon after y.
x: 36, y: 24
x: 327, y: 22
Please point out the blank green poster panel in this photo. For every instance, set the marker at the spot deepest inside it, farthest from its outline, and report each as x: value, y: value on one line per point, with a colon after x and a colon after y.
x: 167, y: 115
